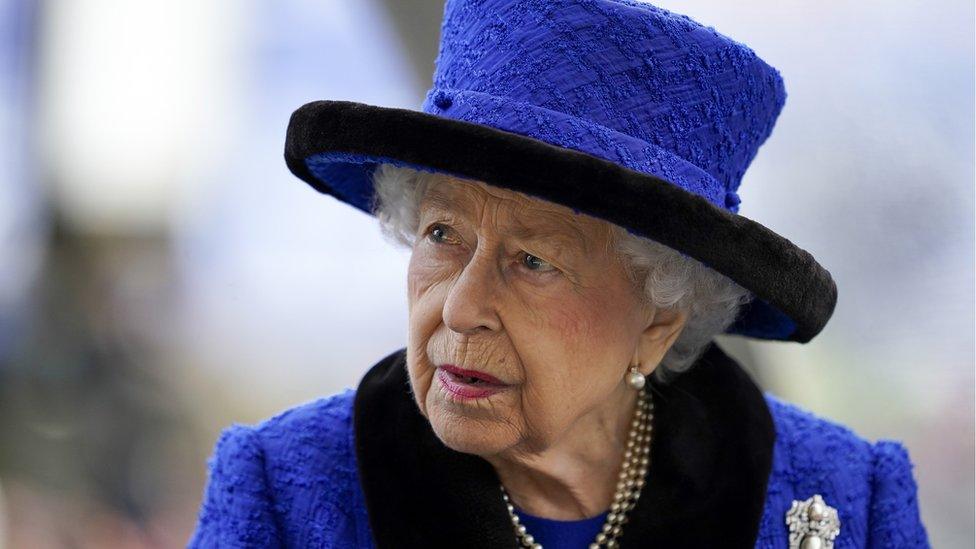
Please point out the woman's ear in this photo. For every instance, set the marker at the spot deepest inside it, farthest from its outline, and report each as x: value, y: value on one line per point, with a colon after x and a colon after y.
x: 664, y: 328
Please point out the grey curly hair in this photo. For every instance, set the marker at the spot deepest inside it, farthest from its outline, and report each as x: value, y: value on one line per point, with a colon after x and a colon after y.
x: 668, y: 278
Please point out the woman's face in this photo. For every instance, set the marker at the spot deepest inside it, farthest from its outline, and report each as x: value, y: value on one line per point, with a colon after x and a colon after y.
x: 524, y: 291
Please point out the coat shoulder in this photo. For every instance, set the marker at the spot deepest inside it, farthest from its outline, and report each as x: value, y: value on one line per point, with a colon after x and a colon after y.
x: 236, y: 509
x: 869, y: 483
x: 326, y: 419
x: 310, y: 440
x: 310, y: 466
x: 812, y: 433
x: 290, y: 480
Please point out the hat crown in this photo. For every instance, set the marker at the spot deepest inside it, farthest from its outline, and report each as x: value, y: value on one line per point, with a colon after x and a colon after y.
x: 621, y: 79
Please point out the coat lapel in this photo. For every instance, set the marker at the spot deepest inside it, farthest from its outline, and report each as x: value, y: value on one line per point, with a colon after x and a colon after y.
x: 711, y: 457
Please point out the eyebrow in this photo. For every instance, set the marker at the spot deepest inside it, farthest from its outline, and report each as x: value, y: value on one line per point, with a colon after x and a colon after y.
x: 438, y: 201
x: 573, y: 236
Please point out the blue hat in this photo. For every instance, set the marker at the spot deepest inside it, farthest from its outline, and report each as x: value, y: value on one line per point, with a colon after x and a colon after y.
x: 615, y: 108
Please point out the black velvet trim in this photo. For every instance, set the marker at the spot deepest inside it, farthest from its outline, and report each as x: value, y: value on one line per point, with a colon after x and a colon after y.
x: 711, y: 456
x: 752, y: 255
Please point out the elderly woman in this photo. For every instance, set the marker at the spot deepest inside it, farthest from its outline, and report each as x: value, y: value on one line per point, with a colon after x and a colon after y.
x: 568, y: 194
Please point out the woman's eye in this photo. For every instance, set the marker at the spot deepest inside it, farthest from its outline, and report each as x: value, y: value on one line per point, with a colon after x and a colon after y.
x: 437, y: 233
x: 537, y: 264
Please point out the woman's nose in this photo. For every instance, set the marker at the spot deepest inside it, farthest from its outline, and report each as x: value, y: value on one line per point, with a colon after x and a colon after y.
x: 471, y: 302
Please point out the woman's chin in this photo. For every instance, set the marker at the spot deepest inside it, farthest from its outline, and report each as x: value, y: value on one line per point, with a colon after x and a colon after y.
x: 471, y: 431
x: 465, y: 435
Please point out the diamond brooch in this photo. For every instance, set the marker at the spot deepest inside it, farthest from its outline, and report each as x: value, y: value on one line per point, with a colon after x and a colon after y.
x: 813, y: 524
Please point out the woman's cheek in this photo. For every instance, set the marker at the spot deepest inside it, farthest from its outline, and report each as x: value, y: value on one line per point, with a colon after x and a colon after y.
x: 579, y: 336
x: 421, y: 376
x: 555, y: 315
x: 426, y: 287
x: 426, y: 269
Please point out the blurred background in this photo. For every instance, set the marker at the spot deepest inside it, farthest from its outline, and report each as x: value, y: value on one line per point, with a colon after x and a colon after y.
x: 162, y: 275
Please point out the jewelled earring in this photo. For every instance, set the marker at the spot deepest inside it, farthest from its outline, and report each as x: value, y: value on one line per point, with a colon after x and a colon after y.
x: 635, y: 379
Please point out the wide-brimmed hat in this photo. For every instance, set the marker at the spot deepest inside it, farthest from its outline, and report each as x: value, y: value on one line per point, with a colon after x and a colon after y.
x: 615, y: 108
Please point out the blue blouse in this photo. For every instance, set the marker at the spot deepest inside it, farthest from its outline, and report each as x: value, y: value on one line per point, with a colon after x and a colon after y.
x: 562, y: 534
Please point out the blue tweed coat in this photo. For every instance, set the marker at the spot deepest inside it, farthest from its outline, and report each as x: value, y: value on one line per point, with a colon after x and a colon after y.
x: 362, y: 468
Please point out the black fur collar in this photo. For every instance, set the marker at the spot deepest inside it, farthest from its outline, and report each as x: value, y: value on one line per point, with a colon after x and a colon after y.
x: 710, y: 462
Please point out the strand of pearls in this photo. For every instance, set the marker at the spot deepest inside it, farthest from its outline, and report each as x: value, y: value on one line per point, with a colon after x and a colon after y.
x: 637, y: 459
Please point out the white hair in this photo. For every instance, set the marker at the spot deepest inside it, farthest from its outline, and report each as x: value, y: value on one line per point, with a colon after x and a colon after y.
x: 669, y: 279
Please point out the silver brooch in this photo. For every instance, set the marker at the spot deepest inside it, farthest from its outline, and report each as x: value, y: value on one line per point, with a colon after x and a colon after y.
x: 813, y: 524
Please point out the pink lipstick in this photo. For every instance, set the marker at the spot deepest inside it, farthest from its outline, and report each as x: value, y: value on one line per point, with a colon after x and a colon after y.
x: 468, y: 384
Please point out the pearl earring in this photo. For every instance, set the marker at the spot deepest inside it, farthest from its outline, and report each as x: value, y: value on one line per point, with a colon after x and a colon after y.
x: 635, y: 379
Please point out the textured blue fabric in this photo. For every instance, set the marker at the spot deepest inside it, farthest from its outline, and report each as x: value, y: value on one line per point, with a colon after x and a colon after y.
x: 292, y: 481
x: 621, y: 80
x: 562, y: 534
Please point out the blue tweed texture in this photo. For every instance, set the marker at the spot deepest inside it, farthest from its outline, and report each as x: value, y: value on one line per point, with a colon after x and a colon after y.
x: 622, y: 80
x: 292, y: 481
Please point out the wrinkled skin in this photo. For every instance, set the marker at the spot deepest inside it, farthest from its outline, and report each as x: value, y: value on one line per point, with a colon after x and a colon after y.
x: 531, y: 293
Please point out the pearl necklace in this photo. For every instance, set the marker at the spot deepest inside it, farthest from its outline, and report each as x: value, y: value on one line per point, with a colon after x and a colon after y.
x: 637, y: 458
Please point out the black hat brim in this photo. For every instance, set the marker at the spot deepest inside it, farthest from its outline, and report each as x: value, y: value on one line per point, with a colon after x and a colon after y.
x: 794, y: 295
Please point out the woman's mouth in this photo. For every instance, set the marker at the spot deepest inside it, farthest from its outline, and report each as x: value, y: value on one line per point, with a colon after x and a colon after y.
x: 468, y: 384
x: 474, y: 375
